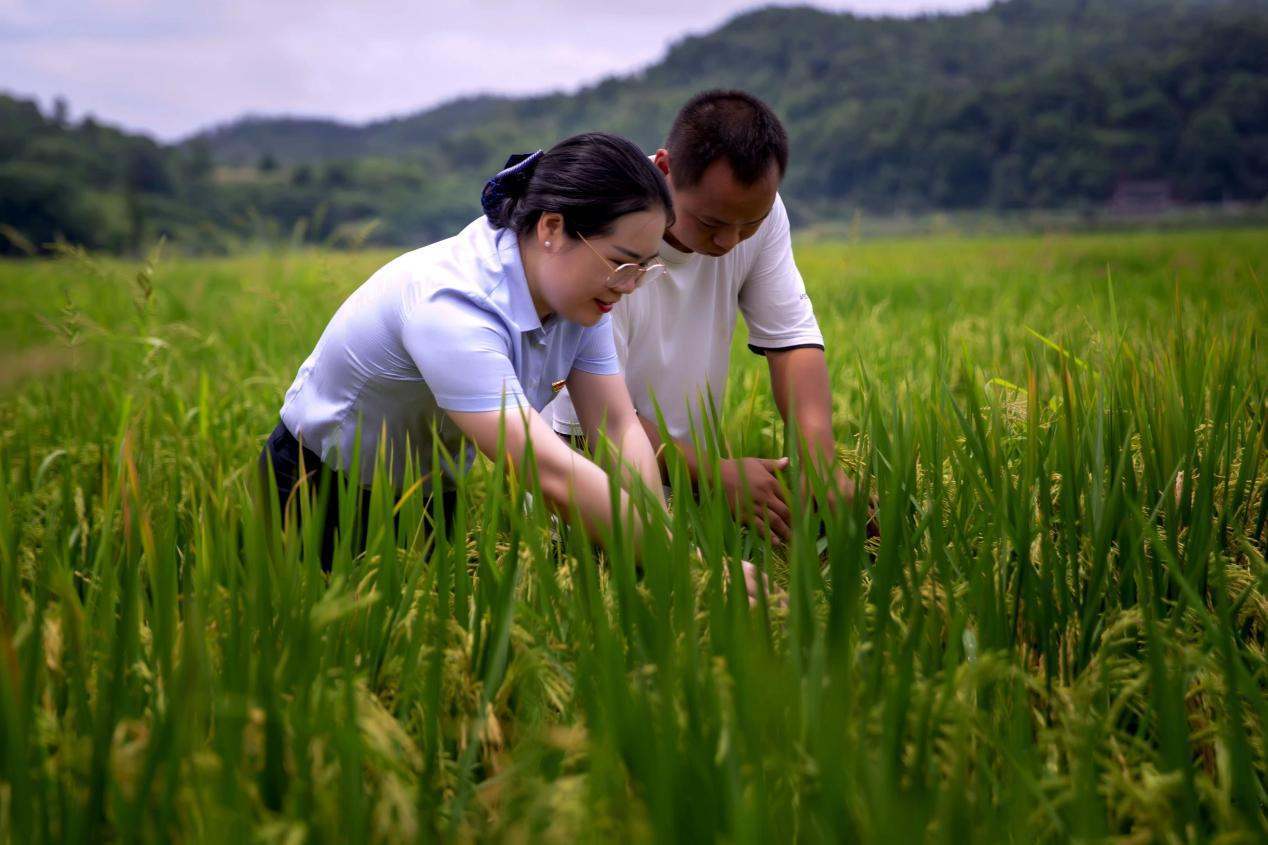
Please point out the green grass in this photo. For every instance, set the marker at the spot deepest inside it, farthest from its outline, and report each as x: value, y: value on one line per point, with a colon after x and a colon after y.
x: 1060, y: 634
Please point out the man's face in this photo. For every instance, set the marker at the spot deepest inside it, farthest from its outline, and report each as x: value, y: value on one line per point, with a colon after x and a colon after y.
x: 717, y: 212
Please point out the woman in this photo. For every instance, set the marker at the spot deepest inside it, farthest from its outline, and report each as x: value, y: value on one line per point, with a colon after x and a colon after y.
x: 470, y: 337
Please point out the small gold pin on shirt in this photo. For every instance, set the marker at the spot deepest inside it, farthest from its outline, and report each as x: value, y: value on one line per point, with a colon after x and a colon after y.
x: 556, y: 386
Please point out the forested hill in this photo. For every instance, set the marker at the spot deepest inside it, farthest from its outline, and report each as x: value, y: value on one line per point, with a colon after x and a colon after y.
x: 1028, y: 104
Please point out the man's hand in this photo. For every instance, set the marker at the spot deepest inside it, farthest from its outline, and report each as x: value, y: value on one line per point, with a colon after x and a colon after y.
x: 839, y: 490
x: 840, y: 493
x: 756, y: 495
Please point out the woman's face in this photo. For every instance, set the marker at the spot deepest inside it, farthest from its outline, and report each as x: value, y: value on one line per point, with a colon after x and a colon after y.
x: 572, y: 277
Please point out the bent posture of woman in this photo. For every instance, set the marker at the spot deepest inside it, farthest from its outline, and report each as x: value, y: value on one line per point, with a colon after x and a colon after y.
x: 469, y: 337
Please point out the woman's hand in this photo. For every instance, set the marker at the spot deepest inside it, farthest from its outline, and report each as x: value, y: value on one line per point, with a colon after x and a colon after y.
x: 757, y: 582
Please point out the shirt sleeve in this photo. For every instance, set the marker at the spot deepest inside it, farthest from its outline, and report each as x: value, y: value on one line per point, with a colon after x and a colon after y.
x: 597, y: 355
x: 597, y: 352
x: 773, y: 297
x: 463, y: 353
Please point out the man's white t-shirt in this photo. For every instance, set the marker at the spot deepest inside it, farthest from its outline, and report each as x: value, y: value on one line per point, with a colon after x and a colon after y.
x: 673, y: 335
x: 449, y: 327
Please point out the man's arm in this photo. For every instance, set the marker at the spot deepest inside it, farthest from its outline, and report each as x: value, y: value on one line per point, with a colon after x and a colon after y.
x: 803, y: 394
x: 567, y: 479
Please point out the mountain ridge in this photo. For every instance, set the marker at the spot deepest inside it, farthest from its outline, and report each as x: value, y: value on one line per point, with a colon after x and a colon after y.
x: 768, y: 39
x: 1024, y: 105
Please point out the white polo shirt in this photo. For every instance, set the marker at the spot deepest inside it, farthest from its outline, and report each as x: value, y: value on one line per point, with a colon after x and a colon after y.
x: 449, y: 327
x: 673, y: 335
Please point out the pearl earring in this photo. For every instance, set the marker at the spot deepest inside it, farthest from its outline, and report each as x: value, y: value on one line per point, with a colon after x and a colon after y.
x: 546, y: 244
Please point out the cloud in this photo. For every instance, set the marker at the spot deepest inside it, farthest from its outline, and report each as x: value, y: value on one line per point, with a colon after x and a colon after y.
x: 54, y: 21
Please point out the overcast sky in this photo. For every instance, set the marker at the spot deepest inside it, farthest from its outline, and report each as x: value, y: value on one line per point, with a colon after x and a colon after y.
x: 171, y: 67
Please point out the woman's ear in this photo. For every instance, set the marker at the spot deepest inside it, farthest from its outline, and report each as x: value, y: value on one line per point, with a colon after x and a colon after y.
x: 550, y: 230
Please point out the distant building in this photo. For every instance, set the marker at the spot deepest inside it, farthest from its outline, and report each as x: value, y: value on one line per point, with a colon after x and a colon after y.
x: 1141, y: 197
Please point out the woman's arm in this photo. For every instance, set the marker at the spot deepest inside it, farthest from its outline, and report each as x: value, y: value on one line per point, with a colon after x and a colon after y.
x: 604, y: 407
x: 568, y: 480
x: 605, y: 411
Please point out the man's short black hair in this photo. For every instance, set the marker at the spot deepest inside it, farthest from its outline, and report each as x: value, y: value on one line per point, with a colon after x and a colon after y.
x: 726, y: 124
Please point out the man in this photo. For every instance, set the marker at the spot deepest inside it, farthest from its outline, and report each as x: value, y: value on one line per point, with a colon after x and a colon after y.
x: 729, y: 249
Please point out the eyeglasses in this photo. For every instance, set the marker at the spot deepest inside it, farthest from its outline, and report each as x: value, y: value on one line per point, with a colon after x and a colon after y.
x: 623, y: 274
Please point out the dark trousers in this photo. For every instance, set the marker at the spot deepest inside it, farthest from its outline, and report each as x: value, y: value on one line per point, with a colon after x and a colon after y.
x: 284, y: 452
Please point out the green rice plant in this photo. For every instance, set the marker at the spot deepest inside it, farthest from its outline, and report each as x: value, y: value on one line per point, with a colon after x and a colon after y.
x: 1059, y: 633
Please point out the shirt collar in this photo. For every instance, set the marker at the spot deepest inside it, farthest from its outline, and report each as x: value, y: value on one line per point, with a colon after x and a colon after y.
x: 520, y: 301
x: 674, y: 256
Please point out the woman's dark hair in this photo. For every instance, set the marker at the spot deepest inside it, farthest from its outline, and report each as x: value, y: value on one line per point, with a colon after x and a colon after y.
x: 591, y: 179
x: 730, y: 125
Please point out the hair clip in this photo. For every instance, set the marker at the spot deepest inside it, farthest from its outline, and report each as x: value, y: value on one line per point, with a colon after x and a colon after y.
x: 509, y: 181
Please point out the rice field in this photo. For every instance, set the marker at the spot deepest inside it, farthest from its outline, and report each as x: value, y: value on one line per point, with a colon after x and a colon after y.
x: 1059, y: 634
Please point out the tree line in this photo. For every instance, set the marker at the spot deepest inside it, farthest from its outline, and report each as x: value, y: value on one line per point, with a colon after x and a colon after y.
x: 1030, y: 104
